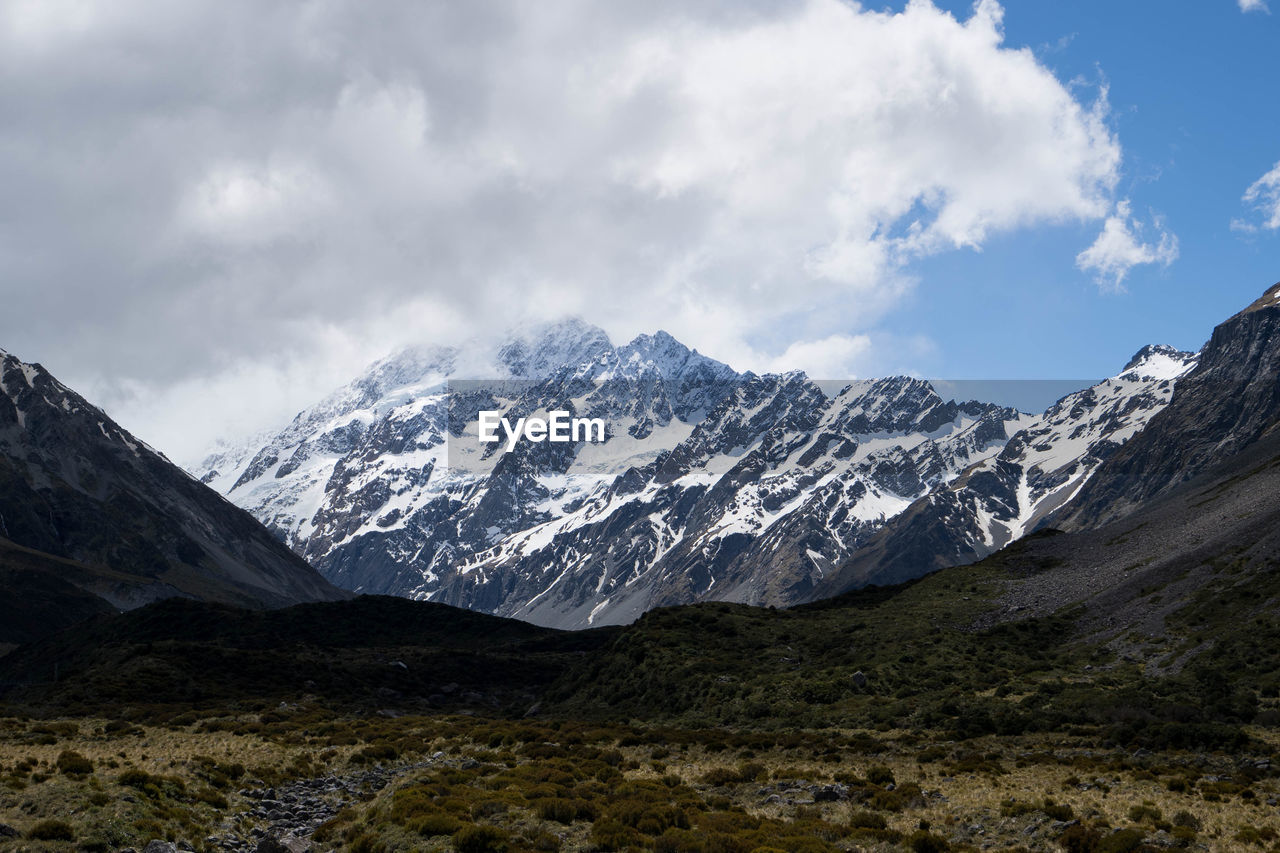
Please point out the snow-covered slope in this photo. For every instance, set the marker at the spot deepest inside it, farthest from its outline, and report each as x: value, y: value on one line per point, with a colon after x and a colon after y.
x: 711, y: 484
x: 777, y: 465
x: 384, y: 483
x: 1041, y: 469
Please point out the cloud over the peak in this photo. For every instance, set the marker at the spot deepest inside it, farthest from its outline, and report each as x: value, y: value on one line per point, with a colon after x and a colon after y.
x: 195, y: 188
x: 1120, y: 247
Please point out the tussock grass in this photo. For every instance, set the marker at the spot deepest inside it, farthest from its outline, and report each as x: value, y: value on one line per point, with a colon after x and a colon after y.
x: 468, y: 783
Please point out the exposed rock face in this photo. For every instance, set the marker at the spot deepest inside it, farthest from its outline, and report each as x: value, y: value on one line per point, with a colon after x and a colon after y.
x: 712, y: 484
x: 1042, y: 468
x: 767, y: 493
x: 92, y: 506
x: 1228, y: 402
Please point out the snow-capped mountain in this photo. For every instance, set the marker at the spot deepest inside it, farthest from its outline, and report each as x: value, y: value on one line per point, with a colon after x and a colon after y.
x: 1042, y: 468
x: 385, y: 483
x: 776, y: 466
x: 711, y: 484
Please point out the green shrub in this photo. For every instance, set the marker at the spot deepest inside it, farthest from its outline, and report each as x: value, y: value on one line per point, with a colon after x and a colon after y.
x: 438, y: 823
x: 649, y: 818
x: 1080, y: 839
x: 1250, y: 835
x: 609, y: 834
x: 682, y: 841
x: 375, y: 753
x: 1015, y: 808
x: 564, y: 810
x: 480, y: 839
x: 746, y: 772
x: 488, y: 808
x: 365, y: 842
x: 901, y: 797
x: 542, y: 840
x: 74, y: 764
x: 52, y: 830
x: 1138, y: 814
x: 134, y: 778
x: 1124, y: 841
x: 925, y: 842
x: 1053, y: 810
x: 880, y: 775
x: 866, y: 820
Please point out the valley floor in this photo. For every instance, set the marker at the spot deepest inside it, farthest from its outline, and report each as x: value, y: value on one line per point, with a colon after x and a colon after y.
x: 310, y: 778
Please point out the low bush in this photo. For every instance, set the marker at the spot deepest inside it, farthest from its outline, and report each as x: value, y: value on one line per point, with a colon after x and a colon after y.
x: 52, y: 830
x: 72, y: 763
x: 480, y: 839
x: 429, y: 825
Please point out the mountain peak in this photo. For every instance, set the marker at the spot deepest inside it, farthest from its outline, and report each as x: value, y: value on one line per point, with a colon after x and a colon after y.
x: 413, y: 365
x: 410, y: 364
x: 565, y: 329
x: 1269, y: 299
x: 670, y: 356
x: 544, y: 348
x: 1160, y: 361
x: 660, y: 338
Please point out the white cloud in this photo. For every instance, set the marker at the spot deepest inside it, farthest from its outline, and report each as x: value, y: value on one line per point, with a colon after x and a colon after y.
x: 203, y: 190
x: 1253, y: 6
x: 1263, y: 195
x: 237, y: 206
x: 833, y: 356
x: 1119, y: 247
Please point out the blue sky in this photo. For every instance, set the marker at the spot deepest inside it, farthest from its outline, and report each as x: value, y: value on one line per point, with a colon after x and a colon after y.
x: 1195, y: 104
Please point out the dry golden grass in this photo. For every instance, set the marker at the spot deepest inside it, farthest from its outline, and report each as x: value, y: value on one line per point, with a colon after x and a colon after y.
x: 998, y: 785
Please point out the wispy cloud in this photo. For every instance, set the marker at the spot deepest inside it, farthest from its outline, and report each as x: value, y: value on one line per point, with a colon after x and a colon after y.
x: 1253, y: 6
x: 1263, y: 195
x: 1120, y: 247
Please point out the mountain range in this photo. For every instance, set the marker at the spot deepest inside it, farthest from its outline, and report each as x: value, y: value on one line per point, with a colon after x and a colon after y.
x: 1120, y: 591
x: 712, y: 484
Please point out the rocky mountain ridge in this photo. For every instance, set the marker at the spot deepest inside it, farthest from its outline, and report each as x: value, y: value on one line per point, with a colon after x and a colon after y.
x: 1228, y: 402
x: 711, y: 485
x: 87, y: 508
